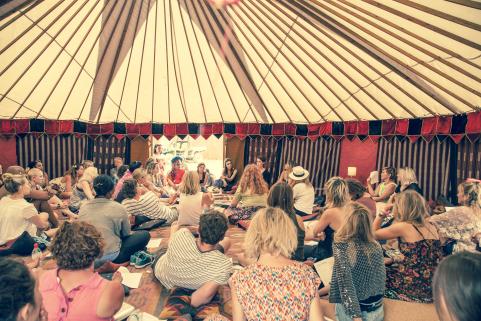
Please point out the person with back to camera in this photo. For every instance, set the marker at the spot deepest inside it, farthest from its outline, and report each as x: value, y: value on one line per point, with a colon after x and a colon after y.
x: 112, y: 221
x: 357, y: 258
x: 457, y: 287
x: 73, y: 291
x: 275, y: 287
x: 303, y: 191
x: 197, y: 264
x: 20, y: 298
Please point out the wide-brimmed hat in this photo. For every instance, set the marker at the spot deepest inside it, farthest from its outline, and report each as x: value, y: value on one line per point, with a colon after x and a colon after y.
x: 298, y: 173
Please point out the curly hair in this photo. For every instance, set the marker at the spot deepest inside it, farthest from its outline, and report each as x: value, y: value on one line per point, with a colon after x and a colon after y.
x: 212, y: 227
x: 252, y: 180
x: 76, y: 245
x: 18, y: 288
x: 129, y: 189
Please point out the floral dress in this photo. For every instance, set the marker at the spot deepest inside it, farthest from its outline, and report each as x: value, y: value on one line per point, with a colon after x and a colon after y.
x: 411, y: 279
x: 459, y: 224
x: 276, y: 293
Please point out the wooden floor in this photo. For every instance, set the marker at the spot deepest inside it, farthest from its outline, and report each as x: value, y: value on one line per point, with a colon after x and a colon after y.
x: 150, y: 296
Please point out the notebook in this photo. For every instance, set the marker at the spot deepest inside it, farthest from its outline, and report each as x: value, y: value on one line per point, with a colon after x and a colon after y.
x: 374, y: 177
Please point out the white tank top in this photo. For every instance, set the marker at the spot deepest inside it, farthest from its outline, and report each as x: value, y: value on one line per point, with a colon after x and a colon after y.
x: 190, y: 208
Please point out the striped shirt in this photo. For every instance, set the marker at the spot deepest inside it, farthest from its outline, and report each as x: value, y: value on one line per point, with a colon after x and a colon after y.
x: 183, y: 265
x: 149, y: 205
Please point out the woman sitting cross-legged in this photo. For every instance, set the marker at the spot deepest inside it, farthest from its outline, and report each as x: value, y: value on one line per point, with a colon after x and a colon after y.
x: 144, y: 205
x: 19, y: 220
x: 192, y: 201
x: 250, y: 196
x: 419, y: 246
x: 74, y: 291
x: 357, y: 258
x: 274, y: 287
x: 228, y: 178
x: 205, y: 178
x: 112, y: 221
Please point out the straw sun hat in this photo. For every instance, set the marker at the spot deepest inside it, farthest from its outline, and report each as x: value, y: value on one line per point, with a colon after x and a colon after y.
x: 298, y: 173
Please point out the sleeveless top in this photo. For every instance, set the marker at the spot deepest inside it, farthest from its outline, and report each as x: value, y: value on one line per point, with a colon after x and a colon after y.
x: 190, y: 208
x: 411, y: 279
x: 77, y: 197
x: 382, y: 187
x: 79, y: 304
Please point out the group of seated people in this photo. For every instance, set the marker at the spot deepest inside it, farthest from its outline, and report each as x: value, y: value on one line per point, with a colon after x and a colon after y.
x: 398, y: 247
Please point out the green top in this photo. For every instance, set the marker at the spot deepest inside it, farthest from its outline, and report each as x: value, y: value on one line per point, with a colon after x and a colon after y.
x: 249, y: 199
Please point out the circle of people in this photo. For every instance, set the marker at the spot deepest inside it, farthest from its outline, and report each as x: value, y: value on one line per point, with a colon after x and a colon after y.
x: 365, y: 243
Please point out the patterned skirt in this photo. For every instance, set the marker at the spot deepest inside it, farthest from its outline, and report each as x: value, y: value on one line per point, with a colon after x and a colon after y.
x: 236, y: 214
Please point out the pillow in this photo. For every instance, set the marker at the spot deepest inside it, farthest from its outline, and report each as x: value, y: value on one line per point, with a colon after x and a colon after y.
x: 178, y: 304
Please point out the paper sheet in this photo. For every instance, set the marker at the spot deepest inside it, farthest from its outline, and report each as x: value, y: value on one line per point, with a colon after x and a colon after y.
x: 374, y: 177
x: 154, y: 243
x: 132, y: 280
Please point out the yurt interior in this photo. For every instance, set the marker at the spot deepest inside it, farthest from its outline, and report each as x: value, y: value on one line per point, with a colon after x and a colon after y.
x: 240, y: 160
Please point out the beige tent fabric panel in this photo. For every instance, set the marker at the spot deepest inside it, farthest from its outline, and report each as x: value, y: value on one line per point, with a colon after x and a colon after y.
x: 424, y: 32
x: 452, y: 8
x: 299, y: 61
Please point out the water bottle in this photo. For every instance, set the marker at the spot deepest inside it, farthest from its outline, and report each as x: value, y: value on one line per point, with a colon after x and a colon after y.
x: 36, y: 253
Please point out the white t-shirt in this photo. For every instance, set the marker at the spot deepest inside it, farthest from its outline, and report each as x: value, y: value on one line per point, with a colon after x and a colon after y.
x: 190, y: 208
x: 14, y: 218
x: 183, y: 265
x: 303, y: 197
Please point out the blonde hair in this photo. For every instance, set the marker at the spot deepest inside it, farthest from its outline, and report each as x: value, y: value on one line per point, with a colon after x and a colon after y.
x: 252, y: 181
x: 139, y: 173
x: 190, y: 183
x: 357, y: 225
x: 90, y: 173
x: 271, y: 231
x: 337, y: 192
x: 410, y: 207
x: 472, y: 192
x: 406, y: 176
x: 32, y: 172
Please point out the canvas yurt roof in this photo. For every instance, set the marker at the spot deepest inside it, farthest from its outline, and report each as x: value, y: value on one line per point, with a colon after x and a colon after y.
x: 190, y: 61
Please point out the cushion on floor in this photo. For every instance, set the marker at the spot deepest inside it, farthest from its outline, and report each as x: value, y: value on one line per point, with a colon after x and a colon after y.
x: 178, y: 304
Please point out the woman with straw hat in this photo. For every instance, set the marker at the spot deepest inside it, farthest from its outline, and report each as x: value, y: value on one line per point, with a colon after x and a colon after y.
x: 303, y: 191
